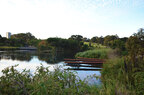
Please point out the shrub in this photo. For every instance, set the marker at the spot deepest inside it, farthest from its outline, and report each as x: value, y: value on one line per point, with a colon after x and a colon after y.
x: 43, y: 82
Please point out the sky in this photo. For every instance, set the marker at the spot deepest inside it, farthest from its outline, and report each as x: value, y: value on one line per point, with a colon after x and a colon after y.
x: 63, y: 18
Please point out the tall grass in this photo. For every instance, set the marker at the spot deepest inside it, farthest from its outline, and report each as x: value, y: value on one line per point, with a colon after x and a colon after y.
x: 114, y: 78
x: 95, y: 53
x: 119, y: 80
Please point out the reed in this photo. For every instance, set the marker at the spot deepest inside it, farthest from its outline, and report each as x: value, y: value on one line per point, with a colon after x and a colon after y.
x: 95, y: 53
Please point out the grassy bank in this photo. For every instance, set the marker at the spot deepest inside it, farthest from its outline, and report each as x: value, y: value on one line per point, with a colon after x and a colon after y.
x: 8, y: 48
x: 120, y: 76
x: 95, y: 53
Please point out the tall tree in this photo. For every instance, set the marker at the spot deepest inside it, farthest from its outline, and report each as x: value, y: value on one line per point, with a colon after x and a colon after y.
x: 24, y: 38
x: 135, y: 46
x: 76, y: 37
x: 0, y: 36
x: 140, y: 34
x: 86, y: 39
x: 108, y: 39
x: 94, y: 39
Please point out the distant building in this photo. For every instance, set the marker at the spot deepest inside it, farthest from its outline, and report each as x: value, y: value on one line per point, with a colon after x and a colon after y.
x: 8, y: 35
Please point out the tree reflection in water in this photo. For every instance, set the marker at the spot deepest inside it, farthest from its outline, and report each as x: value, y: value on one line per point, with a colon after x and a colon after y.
x: 26, y: 55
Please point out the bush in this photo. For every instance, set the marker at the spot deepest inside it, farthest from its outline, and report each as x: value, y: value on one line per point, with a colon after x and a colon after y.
x: 43, y: 82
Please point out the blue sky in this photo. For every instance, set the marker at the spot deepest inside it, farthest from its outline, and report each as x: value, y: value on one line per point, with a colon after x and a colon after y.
x: 63, y: 18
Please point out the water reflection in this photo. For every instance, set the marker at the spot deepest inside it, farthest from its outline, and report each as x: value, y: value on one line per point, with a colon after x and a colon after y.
x: 31, y: 65
x: 20, y: 55
x: 84, y: 67
x: 31, y: 59
x: 17, y: 55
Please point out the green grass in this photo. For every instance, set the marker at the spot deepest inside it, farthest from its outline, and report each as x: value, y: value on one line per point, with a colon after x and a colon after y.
x: 120, y: 80
x: 114, y: 78
x: 95, y: 45
x: 7, y: 48
x: 95, y: 53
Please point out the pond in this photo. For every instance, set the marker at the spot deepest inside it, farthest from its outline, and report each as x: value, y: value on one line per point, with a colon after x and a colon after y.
x: 31, y: 59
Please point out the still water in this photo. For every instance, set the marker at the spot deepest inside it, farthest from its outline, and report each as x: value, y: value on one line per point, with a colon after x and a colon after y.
x: 30, y: 60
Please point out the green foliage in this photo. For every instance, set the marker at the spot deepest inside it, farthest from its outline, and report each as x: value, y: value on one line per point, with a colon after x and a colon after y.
x: 140, y: 34
x: 8, y: 48
x: 126, y: 75
x: 118, y: 76
x: 24, y: 38
x: 99, y: 40
x: 95, y: 45
x: 86, y: 39
x: 115, y: 79
x: 0, y: 36
x: 43, y: 82
x: 119, y: 45
x: 96, y: 53
x: 135, y: 47
x: 139, y: 82
x: 76, y: 37
x: 69, y: 44
x: 43, y: 45
x: 13, y: 82
x: 34, y: 42
x: 19, y: 40
x: 112, y: 41
x: 94, y: 39
x: 109, y: 38
x: 3, y: 41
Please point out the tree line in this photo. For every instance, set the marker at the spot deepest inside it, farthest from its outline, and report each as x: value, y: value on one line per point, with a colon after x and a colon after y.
x: 19, y: 40
x: 75, y: 42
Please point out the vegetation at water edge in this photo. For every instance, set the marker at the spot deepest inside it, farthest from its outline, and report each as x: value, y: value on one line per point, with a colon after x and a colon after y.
x: 95, y: 53
x: 44, y: 82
